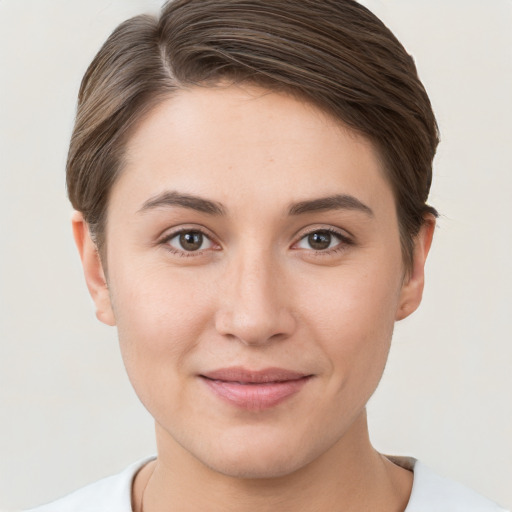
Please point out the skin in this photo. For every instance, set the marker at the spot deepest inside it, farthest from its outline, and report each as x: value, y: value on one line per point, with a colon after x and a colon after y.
x: 256, y: 294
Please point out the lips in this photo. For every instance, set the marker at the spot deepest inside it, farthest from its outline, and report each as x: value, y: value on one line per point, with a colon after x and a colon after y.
x: 254, y: 389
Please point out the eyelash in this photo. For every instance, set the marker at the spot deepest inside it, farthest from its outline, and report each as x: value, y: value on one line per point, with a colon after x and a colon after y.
x: 344, y: 242
x: 183, y: 253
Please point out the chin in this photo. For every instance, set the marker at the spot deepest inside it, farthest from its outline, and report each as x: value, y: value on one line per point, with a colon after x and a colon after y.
x: 244, y: 468
x: 257, y: 457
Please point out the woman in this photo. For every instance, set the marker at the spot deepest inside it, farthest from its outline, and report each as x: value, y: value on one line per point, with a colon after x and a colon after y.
x: 250, y: 182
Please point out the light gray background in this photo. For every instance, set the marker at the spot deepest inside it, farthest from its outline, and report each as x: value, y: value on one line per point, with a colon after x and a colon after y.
x: 68, y: 413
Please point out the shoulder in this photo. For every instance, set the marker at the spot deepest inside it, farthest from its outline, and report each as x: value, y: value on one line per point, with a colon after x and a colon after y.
x: 112, y: 494
x: 431, y: 491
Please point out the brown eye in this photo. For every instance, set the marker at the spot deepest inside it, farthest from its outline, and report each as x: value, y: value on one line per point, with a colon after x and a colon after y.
x: 320, y: 240
x: 189, y: 241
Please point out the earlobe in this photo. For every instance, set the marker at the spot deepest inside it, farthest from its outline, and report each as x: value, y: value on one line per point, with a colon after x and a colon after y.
x: 412, y: 289
x: 93, y: 270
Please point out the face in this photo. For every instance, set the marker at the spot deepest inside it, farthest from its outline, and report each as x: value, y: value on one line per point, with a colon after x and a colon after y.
x: 254, y: 275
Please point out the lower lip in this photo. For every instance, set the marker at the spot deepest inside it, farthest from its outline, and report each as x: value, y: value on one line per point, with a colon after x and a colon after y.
x: 256, y: 396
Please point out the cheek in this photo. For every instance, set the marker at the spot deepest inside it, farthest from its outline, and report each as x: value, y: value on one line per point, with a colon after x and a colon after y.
x: 160, y: 316
x: 353, y: 317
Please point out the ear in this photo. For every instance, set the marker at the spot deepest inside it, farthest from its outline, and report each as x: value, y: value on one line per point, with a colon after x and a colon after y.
x: 412, y: 289
x: 93, y: 270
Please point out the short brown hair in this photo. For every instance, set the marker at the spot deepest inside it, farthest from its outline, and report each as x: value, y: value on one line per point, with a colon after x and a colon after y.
x: 334, y: 53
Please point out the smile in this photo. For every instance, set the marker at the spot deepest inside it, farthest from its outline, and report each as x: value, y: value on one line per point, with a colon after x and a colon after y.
x: 255, y: 390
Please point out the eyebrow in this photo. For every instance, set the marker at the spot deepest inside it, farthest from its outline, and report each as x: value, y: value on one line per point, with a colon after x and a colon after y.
x: 335, y: 202
x: 171, y: 198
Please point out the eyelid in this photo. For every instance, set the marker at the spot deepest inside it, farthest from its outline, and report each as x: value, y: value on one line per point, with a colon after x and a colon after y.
x: 171, y: 233
x: 345, y: 239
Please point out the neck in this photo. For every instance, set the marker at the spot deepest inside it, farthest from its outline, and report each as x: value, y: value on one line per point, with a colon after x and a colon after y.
x: 350, y: 476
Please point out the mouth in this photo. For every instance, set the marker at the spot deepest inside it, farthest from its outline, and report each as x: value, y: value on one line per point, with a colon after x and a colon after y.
x: 255, y: 389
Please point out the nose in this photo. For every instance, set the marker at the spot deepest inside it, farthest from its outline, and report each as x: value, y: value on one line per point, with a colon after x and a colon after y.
x: 254, y: 301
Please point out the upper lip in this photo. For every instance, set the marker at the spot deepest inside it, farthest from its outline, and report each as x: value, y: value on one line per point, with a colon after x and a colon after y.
x: 244, y: 375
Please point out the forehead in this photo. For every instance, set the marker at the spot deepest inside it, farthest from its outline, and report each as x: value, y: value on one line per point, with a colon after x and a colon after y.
x: 247, y: 144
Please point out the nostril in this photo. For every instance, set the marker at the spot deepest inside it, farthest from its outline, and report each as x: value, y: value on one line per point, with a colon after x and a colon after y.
x: 255, y: 329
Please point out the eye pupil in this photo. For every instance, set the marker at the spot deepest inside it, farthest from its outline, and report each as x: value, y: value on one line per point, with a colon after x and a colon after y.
x: 191, y: 240
x: 320, y: 240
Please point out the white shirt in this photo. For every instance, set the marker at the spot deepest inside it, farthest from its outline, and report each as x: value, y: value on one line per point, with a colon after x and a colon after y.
x: 430, y: 493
